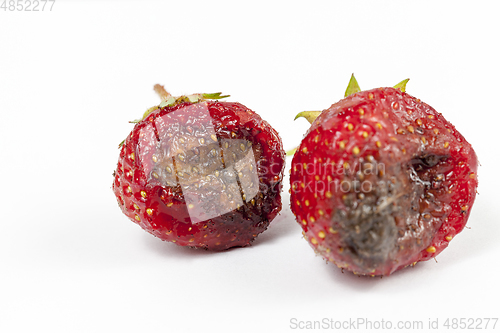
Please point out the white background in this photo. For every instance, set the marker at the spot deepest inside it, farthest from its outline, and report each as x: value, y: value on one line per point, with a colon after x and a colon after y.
x: 72, y: 78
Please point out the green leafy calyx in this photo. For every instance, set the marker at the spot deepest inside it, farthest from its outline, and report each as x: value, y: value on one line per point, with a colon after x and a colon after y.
x: 168, y: 100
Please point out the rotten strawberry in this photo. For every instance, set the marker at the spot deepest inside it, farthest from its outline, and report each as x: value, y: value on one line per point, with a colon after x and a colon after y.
x: 381, y: 181
x: 200, y: 172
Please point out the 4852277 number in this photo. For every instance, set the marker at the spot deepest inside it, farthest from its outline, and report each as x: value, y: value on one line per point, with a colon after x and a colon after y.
x: 27, y: 5
x: 470, y: 323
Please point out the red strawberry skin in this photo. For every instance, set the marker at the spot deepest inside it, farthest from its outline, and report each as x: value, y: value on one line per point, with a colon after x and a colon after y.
x: 381, y: 181
x: 205, y: 175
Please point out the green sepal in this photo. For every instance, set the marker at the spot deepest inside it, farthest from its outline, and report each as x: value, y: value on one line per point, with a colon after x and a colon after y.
x: 217, y: 95
x: 147, y: 113
x: 169, y: 102
x: 193, y: 98
x: 291, y: 152
x: 352, y: 87
x: 309, y: 115
x: 402, y: 85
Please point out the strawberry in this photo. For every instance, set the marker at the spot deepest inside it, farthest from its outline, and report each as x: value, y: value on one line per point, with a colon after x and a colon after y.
x: 200, y: 172
x: 381, y: 181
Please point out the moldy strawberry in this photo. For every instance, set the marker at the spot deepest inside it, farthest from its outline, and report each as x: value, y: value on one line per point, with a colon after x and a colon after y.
x: 381, y: 181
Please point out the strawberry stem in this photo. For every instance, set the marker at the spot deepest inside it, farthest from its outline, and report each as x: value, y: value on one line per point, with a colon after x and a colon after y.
x: 160, y: 90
